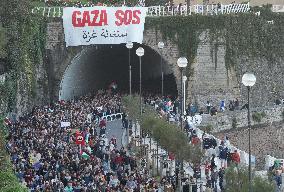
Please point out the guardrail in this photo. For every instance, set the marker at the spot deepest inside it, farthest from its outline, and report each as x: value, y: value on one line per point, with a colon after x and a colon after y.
x: 157, y: 11
x: 112, y: 117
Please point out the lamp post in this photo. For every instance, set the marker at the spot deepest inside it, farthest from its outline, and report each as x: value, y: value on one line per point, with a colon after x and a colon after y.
x: 140, y: 53
x: 129, y: 46
x: 161, y: 46
x: 184, y: 79
x: 249, y: 80
x: 182, y: 63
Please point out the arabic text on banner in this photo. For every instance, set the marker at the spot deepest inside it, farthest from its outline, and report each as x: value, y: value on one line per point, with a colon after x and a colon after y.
x: 103, y: 25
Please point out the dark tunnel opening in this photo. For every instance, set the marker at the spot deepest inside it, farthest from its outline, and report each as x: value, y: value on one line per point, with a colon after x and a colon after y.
x: 96, y: 67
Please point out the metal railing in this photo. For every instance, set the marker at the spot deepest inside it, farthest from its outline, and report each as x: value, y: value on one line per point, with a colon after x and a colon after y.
x: 157, y: 11
x: 112, y: 117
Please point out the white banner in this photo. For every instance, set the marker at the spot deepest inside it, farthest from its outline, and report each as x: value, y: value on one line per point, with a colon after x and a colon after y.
x: 103, y: 25
x: 65, y: 124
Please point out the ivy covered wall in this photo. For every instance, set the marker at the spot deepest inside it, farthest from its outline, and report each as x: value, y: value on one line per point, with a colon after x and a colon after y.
x: 25, y: 37
x: 250, y: 43
x: 243, y: 34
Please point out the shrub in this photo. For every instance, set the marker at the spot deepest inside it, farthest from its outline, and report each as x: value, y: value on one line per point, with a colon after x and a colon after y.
x: 208, y: 128
x: 168, y: 136
x: 237, y: 181
x: 257, y: 116
x: 234, y: 123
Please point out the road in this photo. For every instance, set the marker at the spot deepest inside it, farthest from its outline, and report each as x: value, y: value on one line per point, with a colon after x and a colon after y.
x: 114, y: 128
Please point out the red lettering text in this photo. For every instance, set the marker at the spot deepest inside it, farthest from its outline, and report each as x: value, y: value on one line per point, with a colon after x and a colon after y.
x: 103, y: 18
x: 95, y: 13
x: 76, y: 21
x: 86, y: 18
x: 119, y: 14
x: 89, y: 18
x: 136, y: 17
x: 127, y: 17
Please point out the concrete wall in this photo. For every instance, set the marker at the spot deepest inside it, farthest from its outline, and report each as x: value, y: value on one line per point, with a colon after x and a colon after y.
x: 265, y: 140
x: 211, y: 80
x: 223, y: 121
x: 266, y: 136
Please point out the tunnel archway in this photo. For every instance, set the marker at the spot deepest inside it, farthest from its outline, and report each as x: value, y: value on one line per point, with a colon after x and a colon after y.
x: 95, y: 67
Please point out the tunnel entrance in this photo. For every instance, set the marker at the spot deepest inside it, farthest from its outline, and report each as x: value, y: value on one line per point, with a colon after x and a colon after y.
x: 97, y: 66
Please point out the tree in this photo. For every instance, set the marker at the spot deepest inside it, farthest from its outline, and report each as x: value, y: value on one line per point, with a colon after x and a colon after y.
x: 169, y: 136
x: 237, y: 181
x: 3, y: 41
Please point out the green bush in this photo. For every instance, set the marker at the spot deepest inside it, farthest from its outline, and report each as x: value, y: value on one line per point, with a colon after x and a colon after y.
x: 168, y: 136
x: 257, y: 116
x: 207, y: 129
x: 237, y: 181
x: 234, y: 123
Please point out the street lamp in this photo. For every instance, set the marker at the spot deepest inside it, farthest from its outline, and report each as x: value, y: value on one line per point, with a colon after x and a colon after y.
x: 182, y: 63
x: 129, y: 46
x: 140, y: 53
x: 249, y: 80
x: 184, y: 79
x: 161, y: 46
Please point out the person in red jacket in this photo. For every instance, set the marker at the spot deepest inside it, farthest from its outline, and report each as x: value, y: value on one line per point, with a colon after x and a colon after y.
x: 236, y: 157
x: 102, y: 123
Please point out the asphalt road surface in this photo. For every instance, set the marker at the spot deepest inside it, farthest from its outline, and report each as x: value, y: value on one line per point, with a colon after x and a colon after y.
x: 114, y: 128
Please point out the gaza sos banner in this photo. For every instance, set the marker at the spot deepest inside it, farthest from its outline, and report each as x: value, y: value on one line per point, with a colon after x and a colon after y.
x: 103, y: 25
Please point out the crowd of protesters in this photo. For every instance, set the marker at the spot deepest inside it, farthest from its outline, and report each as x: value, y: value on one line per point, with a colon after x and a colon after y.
x: 47, y: 156
x: 168, y: 107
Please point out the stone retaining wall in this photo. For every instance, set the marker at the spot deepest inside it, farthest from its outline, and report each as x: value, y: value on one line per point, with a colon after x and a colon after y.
x: 265, y: 140
x: 224, y: 121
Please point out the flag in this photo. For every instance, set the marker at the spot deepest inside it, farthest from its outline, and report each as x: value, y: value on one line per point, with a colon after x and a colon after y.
x: 85, y: 155
x: 79, y: 138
